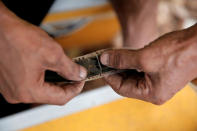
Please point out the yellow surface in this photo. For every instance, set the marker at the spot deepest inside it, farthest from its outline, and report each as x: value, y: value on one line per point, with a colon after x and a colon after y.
x: 100, y: 31
x: 179, y: 114
x: 91, y: 11
x: 96, y: 33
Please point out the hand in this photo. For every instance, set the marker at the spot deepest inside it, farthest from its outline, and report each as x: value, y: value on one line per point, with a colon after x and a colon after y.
x: 25, y: 53
x: 138, y: 19
x: 164, y: 67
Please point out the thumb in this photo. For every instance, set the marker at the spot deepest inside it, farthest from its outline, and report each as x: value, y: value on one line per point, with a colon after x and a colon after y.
x: 120, y: 59
x: 65, y: 67
x: 70, y: 70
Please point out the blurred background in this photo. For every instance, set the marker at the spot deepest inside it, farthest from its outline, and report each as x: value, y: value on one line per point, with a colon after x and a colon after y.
x: 84, y: 26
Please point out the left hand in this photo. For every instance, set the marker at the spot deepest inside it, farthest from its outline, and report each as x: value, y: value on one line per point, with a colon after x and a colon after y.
x: 168, y: 64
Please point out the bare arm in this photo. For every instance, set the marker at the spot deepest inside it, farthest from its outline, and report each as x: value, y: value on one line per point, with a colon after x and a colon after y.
x: 138, y: 21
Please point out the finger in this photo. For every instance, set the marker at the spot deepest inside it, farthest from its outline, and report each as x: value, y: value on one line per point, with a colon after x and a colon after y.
x: 64, y: 66
x: 49, y: 94
x: 70, y: 70
x: 73, y: 90
x: 52, y: 94
x: 9, y: 96
x: 114, y: 81
x: 131, y: 87
x: 120, y: 59
x: 10, y: 99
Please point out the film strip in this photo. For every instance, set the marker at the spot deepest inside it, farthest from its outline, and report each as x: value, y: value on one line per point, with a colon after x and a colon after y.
x: 95, y: 69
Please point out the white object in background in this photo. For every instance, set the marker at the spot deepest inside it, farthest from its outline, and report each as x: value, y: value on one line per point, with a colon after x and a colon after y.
x: 46, y: 113
x: 67, y: 5
x: 188, y: 23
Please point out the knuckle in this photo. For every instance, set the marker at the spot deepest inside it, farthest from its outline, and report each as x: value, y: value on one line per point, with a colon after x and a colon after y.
x: 144, y: 61
x: 122, y: 63
x: 53, y: 58
x: 78, y: 90
x: 23, y: 97
x: 61, y: 103
x: 11, y: 100
x: 117, y: 89
x: 54, y: 55
x: 117, y: 60
x: 159, y: 100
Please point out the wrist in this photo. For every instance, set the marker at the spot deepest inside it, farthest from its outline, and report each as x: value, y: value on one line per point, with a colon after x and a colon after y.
x: 138, y: 20
x: 132, y: 10
x: 5, y: 13
x: 8, y: 20
x: 185, y: 48
x: 137, y: 34
x: 189, y: 37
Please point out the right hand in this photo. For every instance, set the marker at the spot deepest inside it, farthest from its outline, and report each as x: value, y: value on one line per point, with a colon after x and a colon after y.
x: 138, y: 20
x: 25, y: 53
x: 163, y: 68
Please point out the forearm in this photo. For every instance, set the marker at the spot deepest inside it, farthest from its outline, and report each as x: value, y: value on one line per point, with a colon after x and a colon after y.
x: 5, y: 13
x: 10, y: 24
x: 8, y: 20
x: 138, y: 21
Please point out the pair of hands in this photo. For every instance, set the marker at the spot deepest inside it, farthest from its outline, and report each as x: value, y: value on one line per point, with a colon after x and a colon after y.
x: 26, y: 52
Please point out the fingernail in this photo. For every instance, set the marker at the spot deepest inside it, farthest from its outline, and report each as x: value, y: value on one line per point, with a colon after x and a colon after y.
x: 83, y: 73
x: 105, y: 58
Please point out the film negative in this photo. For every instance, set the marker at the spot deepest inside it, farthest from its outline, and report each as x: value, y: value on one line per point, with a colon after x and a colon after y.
x: 95, y: 69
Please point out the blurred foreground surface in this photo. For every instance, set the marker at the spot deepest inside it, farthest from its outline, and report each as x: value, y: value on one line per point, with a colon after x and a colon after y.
x: 179, y: 114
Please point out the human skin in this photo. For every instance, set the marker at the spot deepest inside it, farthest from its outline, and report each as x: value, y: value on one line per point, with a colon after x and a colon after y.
x: 138, y: 19
x: 168, y: 64
x: 26, y: 52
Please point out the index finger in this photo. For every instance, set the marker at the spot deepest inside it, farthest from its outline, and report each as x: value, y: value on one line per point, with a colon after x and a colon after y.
x: 132, y: 87
x: 52, y: 94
